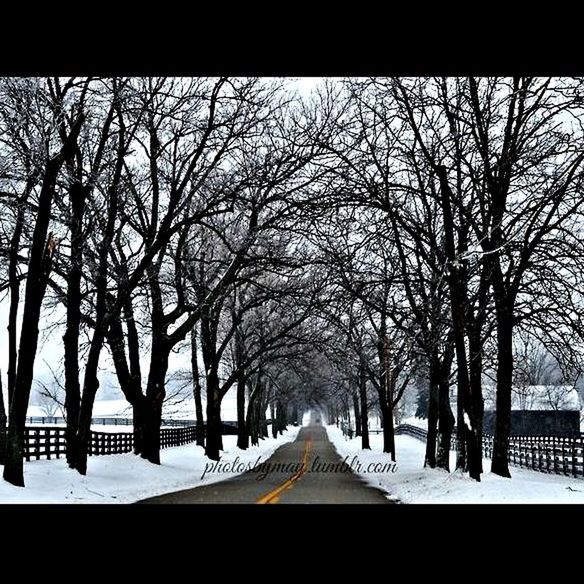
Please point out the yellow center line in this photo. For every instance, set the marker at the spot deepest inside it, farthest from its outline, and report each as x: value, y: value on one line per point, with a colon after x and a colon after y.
x: 274, y: 495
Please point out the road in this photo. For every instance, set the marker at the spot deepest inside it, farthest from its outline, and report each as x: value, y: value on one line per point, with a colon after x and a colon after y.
x: 308, y: 470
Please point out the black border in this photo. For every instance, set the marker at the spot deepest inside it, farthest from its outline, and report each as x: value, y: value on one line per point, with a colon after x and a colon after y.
x: 299, y: 44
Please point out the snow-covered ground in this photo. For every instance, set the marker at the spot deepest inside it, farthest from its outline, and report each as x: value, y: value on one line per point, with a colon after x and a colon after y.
x: 411, y: 483
x: 413, y: 421
x: 126, y: 478
x: 375, y: 422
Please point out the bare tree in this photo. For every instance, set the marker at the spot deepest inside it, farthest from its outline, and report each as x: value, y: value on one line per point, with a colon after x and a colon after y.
x: 59, y: 147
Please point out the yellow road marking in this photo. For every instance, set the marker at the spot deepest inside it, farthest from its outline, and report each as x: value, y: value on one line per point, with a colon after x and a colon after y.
x: 274, y: 495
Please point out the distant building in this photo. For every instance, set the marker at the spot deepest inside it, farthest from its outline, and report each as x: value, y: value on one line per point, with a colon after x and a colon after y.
x: 538, y: 410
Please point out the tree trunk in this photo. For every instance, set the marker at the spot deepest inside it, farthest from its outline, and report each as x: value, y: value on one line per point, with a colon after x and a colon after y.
x: 14, y: 284
x: 281, y: 418
x: 151, y: 428
x: 71, y: 336
x: 2, y: 423
x: 475, y: 440
x: 388, y: 427
x: 254, y: 408
x: 357, y: 412
x: 461, y: 438
x: 500, y: 464
x: 90, y: 387
x: 263, y: 420
x: 385, y: 390
x: 129, y: 377
x: 457, y: 285
x: 274, y: 420
x: 433, y: 399
x: 155, y: 394
x: 388, y: 431
x: 213, y: 444
x: 364, y: 415
x: 139, y: 420
x: 242, y: 431
x: 250, y: 423
x: 446, y: 423
x: 199, y: 421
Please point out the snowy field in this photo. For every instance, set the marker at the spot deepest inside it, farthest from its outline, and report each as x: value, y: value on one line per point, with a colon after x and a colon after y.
x: 175, y: 409
x: 413, y: 421
x: 126, y: 478
x: 412, y: 483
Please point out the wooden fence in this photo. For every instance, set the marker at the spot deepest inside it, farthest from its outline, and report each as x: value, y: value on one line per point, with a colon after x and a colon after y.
x: 104, y: 421
x: 550, y: 454
x: 47, y: 443
x: 413, y: 431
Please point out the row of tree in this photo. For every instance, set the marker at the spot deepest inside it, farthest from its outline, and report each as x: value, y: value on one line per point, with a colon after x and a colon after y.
x: 156, y: 212
x: 461, y: 230
x: 304, y: 249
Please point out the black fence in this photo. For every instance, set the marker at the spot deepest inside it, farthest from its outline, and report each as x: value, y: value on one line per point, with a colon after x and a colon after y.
x: 107, y: 421
x: 407, y: 429
x: 47, y: 443
x: 550, y: 454
x: 413, y: 431
x: 228, y: 427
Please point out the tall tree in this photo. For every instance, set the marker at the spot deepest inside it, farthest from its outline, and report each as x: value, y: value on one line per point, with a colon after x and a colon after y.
x: 42, y: 249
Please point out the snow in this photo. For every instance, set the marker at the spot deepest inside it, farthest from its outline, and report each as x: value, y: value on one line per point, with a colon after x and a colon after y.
x: 413, y: 421
x: 126, y: 478
x: 411, y: 483
x: 112, y: 408
x: 179, y: 409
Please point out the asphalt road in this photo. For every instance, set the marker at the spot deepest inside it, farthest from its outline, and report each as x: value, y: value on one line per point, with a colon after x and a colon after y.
x: 308, y: 470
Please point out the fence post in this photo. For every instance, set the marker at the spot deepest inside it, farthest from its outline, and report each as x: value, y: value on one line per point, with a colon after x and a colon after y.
x: 27, y: 444
x: 58, y: 443
x: 48, y: 443
x: 534, y: 453
x: 37, y: 444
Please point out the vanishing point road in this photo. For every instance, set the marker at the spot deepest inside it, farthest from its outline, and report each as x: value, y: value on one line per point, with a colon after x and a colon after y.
x: 301, y: 484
